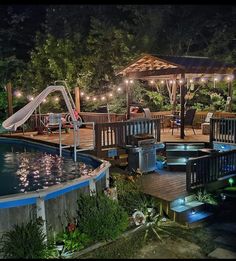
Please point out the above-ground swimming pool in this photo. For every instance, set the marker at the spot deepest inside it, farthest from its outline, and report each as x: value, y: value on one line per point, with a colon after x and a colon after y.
x: 36, y: 182
x: 25, y: 168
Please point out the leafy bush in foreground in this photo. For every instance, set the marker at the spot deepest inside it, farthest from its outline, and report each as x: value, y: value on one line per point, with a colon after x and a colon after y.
x: 100, y: 217
x: 24, y: 241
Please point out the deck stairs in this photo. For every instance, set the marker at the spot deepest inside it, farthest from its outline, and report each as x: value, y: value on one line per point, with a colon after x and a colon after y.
x: 189, y: 211
x: 177, y: 154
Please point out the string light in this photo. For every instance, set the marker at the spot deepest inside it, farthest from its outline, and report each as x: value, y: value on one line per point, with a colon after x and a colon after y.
x: 227, y: 78
x: 202, y: 80
x: 18, y: 94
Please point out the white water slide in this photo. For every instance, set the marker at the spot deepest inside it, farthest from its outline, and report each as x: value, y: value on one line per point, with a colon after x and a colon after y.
x: 21, y: 116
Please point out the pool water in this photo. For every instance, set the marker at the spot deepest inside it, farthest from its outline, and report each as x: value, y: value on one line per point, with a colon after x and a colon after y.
x: 24, y: 168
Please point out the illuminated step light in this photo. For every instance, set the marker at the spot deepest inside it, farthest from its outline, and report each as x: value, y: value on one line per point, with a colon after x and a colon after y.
x: 181, y: 201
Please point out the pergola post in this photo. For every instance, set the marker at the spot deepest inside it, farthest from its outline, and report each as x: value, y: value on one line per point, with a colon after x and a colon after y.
x: 229, y: 109
x: 182, y: 101
x: 128, y: 100
x: 9, y: 98
x: 77, y: 99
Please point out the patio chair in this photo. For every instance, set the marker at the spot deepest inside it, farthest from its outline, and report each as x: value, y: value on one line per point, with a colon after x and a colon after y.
x: 148, y: 115
x: 53, y: 122
x: 205, y: 126
x: 188, y: 121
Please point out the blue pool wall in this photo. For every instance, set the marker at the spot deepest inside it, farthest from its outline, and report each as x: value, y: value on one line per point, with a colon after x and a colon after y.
x: 60, y: 200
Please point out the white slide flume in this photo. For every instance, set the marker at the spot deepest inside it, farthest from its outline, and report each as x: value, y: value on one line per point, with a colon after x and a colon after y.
x: 21, y: 116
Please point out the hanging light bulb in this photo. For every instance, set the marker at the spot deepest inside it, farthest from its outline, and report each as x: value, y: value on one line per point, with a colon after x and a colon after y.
x: 181, y: 81
x: 56, y: 99
x: 18, y: 94
x: 131, y: 81
x: 151, y: 82
x: 202, y: 80
x: 162, y: 82
x: 44, y: 100
x: 110, y: 94
x: 119, y: 89
x: 103, y: 98
x: 126, y: 81
x: 229, y: 78
x: 82, y: 93
x: 171, y: 81
x: 87, y: 98
x: 30, y: 98
x: 94, y: 98
x: 191, y: 80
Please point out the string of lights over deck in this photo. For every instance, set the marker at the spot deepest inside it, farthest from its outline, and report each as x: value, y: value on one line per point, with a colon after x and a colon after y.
x: 104, y: 97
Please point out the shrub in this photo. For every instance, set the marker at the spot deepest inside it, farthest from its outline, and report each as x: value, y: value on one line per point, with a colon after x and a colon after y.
x: 130, y: 197
x: 73, y: 239
x: 100, y: 217
x: 205, y: 197
x: 24, y: 241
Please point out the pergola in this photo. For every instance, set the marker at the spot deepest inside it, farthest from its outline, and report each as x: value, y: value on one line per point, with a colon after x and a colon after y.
x: 179, y: 72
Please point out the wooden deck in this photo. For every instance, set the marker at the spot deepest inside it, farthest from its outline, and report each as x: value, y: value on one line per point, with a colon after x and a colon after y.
x: 165, y: 185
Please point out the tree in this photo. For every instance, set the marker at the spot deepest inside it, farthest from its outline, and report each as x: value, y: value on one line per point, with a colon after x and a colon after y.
x: 108, y: 49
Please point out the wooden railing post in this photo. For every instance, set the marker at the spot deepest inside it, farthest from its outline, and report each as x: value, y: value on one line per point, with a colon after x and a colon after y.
x: 98, y: 139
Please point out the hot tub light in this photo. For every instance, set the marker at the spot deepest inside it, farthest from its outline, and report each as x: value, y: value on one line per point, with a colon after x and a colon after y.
x: 193, y: 212
x: 231, y: 181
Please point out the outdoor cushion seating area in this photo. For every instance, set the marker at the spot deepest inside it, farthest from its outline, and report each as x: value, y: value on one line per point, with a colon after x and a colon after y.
x: 205, y: 126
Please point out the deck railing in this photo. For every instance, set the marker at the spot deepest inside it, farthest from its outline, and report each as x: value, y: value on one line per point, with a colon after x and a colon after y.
x: 223, y: 130
x: 206, y: 169
x: 117, y: 134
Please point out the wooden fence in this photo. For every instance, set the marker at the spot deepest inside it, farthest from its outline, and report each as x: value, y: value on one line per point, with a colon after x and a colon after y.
x: 117, y: 134
x: 206, y: 169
